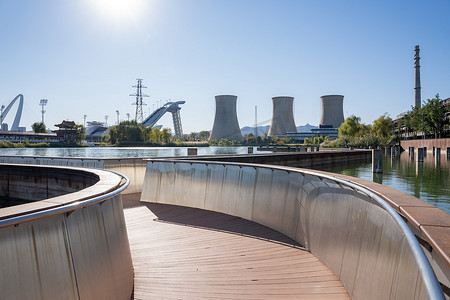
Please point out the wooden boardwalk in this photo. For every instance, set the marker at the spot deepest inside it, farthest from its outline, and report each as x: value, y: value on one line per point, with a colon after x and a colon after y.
x: 186, y: 253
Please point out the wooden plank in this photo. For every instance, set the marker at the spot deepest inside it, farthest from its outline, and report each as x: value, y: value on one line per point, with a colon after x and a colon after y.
x: 186, y: 253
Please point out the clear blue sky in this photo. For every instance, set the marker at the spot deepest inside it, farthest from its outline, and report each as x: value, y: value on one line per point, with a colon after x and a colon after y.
x: 84, y: 56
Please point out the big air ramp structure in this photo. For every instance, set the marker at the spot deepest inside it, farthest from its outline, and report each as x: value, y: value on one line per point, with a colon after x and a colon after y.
x: 226, y: 125
x: 332, y: 111
x: 282, y: 116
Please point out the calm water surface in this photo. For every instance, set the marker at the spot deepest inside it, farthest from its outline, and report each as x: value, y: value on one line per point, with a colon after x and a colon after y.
x: 428, y: 180
x: 114, y: 152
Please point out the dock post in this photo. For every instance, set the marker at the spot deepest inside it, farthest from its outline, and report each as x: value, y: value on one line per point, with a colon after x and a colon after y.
x: 438, y: 153
x: 377, y: 161
x: 419, y: 154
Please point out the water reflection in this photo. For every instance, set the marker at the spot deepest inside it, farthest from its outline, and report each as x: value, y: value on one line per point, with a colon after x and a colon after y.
x: 428, y: 180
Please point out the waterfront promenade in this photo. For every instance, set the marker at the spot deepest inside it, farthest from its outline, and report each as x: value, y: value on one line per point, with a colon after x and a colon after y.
x: 187, y: 253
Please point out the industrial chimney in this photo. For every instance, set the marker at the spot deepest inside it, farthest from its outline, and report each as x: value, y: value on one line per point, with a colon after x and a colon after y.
x: 226, y: 125
x: 282, y: 116
x: 332, y: 110
x: 417, y: 94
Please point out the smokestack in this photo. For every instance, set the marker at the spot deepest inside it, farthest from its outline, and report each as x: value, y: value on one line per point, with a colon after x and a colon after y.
x: 226, y: 123
x: 332, y: 110
x: 282, y: 116
x: 417, y: 94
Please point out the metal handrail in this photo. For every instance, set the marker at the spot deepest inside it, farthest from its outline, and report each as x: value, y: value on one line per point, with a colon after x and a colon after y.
x: 430, y: 280
x: 65, y: 208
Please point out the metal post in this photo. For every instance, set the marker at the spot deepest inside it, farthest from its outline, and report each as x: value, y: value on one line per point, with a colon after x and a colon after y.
x: 377, y: 161
x: 192, y: 151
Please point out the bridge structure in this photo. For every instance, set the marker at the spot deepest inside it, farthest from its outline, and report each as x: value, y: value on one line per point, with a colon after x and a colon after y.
x: 16, y: 122
x: 202, y: 229
x: 171, y: 107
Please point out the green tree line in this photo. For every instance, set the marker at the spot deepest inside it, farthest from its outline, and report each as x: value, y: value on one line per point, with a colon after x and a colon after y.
x: 434, y: 116
x: 131, y: 131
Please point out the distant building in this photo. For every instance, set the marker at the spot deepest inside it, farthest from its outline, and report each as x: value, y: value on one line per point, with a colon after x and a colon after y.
x: 94, y: 131
x: 323, y: 130
x: 31, y: 137
x: 66, y: 131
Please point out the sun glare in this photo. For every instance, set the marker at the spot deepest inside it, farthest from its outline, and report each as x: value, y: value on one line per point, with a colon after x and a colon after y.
x: 119, y: 10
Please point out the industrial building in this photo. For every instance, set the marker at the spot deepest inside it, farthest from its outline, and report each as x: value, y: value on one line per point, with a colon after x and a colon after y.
x: 332, y: 111
x: 282, y: 116
x: 226, y: 125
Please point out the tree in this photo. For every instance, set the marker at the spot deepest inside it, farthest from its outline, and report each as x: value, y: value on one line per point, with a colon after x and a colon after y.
x: 383, y: 126
x: 434, y: 115
x: 204, y: 135
x: 166, y: 135
x: 126, y: 131
x: 351, y: 127
x: 39, y: 127
x: 80, y: 133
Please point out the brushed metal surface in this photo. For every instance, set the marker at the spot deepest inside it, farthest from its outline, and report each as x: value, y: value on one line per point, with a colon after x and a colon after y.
x: 76, y: 250
x: 35, y: 261
x: 357, y: 235
x: 100, y: 251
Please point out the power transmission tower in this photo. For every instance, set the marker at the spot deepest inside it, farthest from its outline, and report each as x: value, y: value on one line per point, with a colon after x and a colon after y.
x: 43, y: 103
x: 139, y: 103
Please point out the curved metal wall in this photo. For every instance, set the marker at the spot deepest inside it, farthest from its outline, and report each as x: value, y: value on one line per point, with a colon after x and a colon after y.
x: 362, y: 240
x: 78, y: 250
x: 133, y: 168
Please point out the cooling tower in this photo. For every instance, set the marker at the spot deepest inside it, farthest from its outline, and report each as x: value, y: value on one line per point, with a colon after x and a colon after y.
x: 332, y: 110
x: 282, y: 116
x: 226, y: 125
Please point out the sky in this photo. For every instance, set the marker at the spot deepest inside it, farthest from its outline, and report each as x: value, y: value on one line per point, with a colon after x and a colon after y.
x: 84, y: 56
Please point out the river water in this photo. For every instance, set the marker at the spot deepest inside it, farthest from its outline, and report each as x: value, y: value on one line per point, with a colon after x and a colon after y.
x: 428, y: 180
x: 119, y: 152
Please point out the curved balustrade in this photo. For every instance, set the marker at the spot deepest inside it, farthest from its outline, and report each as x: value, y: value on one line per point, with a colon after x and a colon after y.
x: 71, y: 246
x: 349, y: 228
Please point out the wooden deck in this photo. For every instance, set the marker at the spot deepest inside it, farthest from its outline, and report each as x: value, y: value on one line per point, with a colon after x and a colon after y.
x: 185, y: 253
